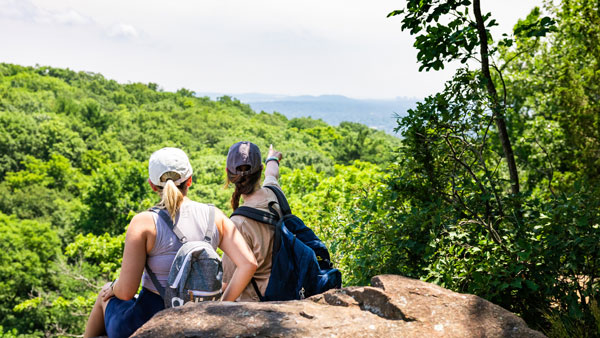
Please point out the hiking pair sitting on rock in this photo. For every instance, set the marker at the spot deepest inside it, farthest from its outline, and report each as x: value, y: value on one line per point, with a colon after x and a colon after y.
x: 171, y: 247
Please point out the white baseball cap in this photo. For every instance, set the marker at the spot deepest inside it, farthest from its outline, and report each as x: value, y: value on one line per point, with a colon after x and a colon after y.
x: 169, y: 160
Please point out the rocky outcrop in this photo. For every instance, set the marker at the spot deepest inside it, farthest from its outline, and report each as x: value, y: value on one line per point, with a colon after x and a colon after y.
x: 392, y: 306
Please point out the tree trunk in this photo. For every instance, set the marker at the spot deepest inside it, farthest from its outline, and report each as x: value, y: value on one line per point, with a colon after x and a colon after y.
x: 496, y: 109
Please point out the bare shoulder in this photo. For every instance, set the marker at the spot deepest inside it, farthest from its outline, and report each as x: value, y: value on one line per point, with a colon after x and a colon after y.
x: 142, y: 222
x: 219, y: 214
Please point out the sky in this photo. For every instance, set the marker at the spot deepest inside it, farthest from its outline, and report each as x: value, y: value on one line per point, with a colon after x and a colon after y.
x: 308, y: 47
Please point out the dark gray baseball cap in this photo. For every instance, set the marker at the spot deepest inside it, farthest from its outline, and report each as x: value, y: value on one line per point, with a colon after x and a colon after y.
x: 243, y: 153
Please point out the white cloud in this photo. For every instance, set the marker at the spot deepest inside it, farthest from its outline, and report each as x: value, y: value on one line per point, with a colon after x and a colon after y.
x: 26, y: 10
x: 70, y: 17
x: 123, y: 31
x: 17, y: 9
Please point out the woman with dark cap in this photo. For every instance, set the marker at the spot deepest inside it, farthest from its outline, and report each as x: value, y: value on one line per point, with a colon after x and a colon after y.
x: 244, y: 169
x: 151, y: 242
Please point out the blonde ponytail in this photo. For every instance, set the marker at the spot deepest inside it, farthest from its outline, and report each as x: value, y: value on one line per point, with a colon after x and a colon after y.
x: 171, y: 198
x: 172, y: 195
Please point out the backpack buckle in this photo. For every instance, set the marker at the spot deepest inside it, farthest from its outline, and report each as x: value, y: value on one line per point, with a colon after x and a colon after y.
x: 201, y: 296
x: 176, y: 301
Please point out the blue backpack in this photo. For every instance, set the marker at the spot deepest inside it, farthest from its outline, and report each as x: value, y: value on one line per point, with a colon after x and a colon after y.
x: 301, y: 263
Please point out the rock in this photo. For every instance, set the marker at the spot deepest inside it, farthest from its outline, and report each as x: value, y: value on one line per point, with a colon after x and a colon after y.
x: 392, y: 306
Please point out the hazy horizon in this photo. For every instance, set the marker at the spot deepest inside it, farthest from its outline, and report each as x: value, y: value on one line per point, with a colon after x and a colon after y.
x: 214, y: 95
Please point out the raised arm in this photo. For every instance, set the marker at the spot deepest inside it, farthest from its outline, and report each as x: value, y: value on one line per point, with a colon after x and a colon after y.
x: 272, y: 168
x: 234, y: 245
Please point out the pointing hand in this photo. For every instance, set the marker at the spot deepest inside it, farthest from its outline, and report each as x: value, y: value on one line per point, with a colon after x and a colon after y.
x: 273, y: 152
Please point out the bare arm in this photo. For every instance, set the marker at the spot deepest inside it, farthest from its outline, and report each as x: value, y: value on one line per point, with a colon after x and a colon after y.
x: 234, y: 245
x: 141, y: 230
x: 273, y: 166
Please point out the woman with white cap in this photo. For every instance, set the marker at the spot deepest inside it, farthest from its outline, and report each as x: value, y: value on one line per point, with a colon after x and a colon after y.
x: 244, y: 169
x: 149, y: 240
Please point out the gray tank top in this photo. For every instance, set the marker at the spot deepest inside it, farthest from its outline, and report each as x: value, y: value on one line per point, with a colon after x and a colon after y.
x: 193, y: 223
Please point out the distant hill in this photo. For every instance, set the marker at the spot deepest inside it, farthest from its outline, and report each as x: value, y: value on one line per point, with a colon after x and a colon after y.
x: 333, y: 109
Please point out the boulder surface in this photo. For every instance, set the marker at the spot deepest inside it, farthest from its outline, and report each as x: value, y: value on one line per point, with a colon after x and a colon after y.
x: 394, y: 306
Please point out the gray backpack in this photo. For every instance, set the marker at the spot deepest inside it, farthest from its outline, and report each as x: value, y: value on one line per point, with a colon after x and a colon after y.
x: 196, y: 272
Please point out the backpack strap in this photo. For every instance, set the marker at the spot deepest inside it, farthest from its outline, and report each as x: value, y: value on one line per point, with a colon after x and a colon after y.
x: 210, y: 227
x: 155, y: 281
x: 164, y: 215
x: 283, y: 203
x: 167, y: 219
x: 257, y: 290
x: 256, y: 214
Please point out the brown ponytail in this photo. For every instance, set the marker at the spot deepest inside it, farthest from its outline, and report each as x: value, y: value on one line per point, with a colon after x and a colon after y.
x: 172, y: 195
x: 244, y: 185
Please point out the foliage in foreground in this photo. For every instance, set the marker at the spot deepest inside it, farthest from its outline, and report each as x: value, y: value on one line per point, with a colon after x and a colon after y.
x: 453, y: 209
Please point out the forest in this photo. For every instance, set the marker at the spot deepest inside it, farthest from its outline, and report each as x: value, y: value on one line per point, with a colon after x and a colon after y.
x: 492, y: 189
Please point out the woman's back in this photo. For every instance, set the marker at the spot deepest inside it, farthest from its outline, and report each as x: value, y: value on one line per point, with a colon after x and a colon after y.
x: 193, y: 223
x: 244, y: 169
x: 259, y: 237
